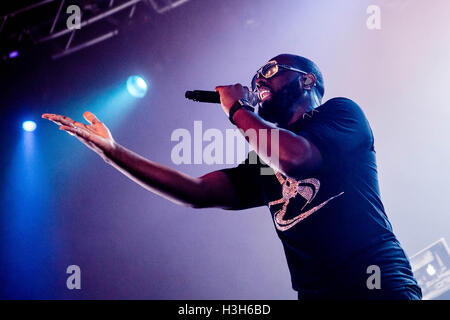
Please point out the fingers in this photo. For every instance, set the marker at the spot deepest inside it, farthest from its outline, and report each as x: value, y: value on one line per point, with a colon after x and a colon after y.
x: 76, y: 131
x: 58, y: 119
x: 80, y: 125
x: 236, y: 85
x: 90, y: 117
x: 67, y: 129
x: 66, y: 121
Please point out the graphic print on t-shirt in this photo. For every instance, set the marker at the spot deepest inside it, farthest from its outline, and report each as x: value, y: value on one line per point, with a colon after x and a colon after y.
x: 308, y: 189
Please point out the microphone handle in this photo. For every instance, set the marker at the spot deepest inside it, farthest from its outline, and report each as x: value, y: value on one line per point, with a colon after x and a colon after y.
x: 203, y: 96
x: 214, y: 97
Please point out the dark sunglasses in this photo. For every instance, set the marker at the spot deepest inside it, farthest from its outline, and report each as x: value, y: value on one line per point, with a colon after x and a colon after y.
x: 270, y: 69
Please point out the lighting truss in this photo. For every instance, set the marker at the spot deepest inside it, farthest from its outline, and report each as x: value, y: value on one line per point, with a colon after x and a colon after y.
x: 106, y: 15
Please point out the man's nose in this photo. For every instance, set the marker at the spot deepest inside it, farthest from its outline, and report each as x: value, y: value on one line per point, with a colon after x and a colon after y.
x: 260, y: 81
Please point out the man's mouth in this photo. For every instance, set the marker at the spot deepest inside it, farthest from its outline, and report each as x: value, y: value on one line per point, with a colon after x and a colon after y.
x: 264, y: 93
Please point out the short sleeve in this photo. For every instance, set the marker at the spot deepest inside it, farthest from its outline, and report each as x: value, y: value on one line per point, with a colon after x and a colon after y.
x: 338, y: 129
x: 245, y: 179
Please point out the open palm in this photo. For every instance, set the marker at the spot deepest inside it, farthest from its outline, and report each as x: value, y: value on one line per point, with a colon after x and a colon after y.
x: 95, y: 135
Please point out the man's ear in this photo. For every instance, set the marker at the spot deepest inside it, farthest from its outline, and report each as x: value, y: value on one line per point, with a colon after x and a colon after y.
x: 308, y: 81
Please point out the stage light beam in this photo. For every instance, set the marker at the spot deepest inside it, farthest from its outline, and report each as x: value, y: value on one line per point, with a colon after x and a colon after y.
x: 137, y: 86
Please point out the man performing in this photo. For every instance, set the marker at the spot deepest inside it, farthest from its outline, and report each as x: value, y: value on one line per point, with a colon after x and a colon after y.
x: 324, y: 196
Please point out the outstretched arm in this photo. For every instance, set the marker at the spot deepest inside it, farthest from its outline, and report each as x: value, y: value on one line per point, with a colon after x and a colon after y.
x: 211, y: 190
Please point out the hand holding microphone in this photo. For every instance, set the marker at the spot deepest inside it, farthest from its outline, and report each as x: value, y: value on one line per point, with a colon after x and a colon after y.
x: 214, y: 96
x: 232, y: 98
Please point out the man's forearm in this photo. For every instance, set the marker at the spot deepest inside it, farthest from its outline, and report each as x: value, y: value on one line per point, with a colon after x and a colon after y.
x: 164, y: 181
x: 293, y: 150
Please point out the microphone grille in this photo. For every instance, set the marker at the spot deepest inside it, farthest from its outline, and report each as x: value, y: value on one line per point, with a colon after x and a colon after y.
x: 189, y: 94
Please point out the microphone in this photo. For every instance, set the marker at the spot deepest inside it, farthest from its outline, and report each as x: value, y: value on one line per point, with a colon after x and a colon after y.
x: 214, y: 96
x: 203, y: 96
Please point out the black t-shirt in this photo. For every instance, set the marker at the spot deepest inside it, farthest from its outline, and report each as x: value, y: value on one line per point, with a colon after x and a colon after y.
x: 332, y: 224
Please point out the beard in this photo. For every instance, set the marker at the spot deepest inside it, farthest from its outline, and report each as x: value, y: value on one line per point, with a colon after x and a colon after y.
x: 279, y: 108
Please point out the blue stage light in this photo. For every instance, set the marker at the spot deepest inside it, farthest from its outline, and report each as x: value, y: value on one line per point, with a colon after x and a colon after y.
x: 137, y: 86
x: 29, y: 126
